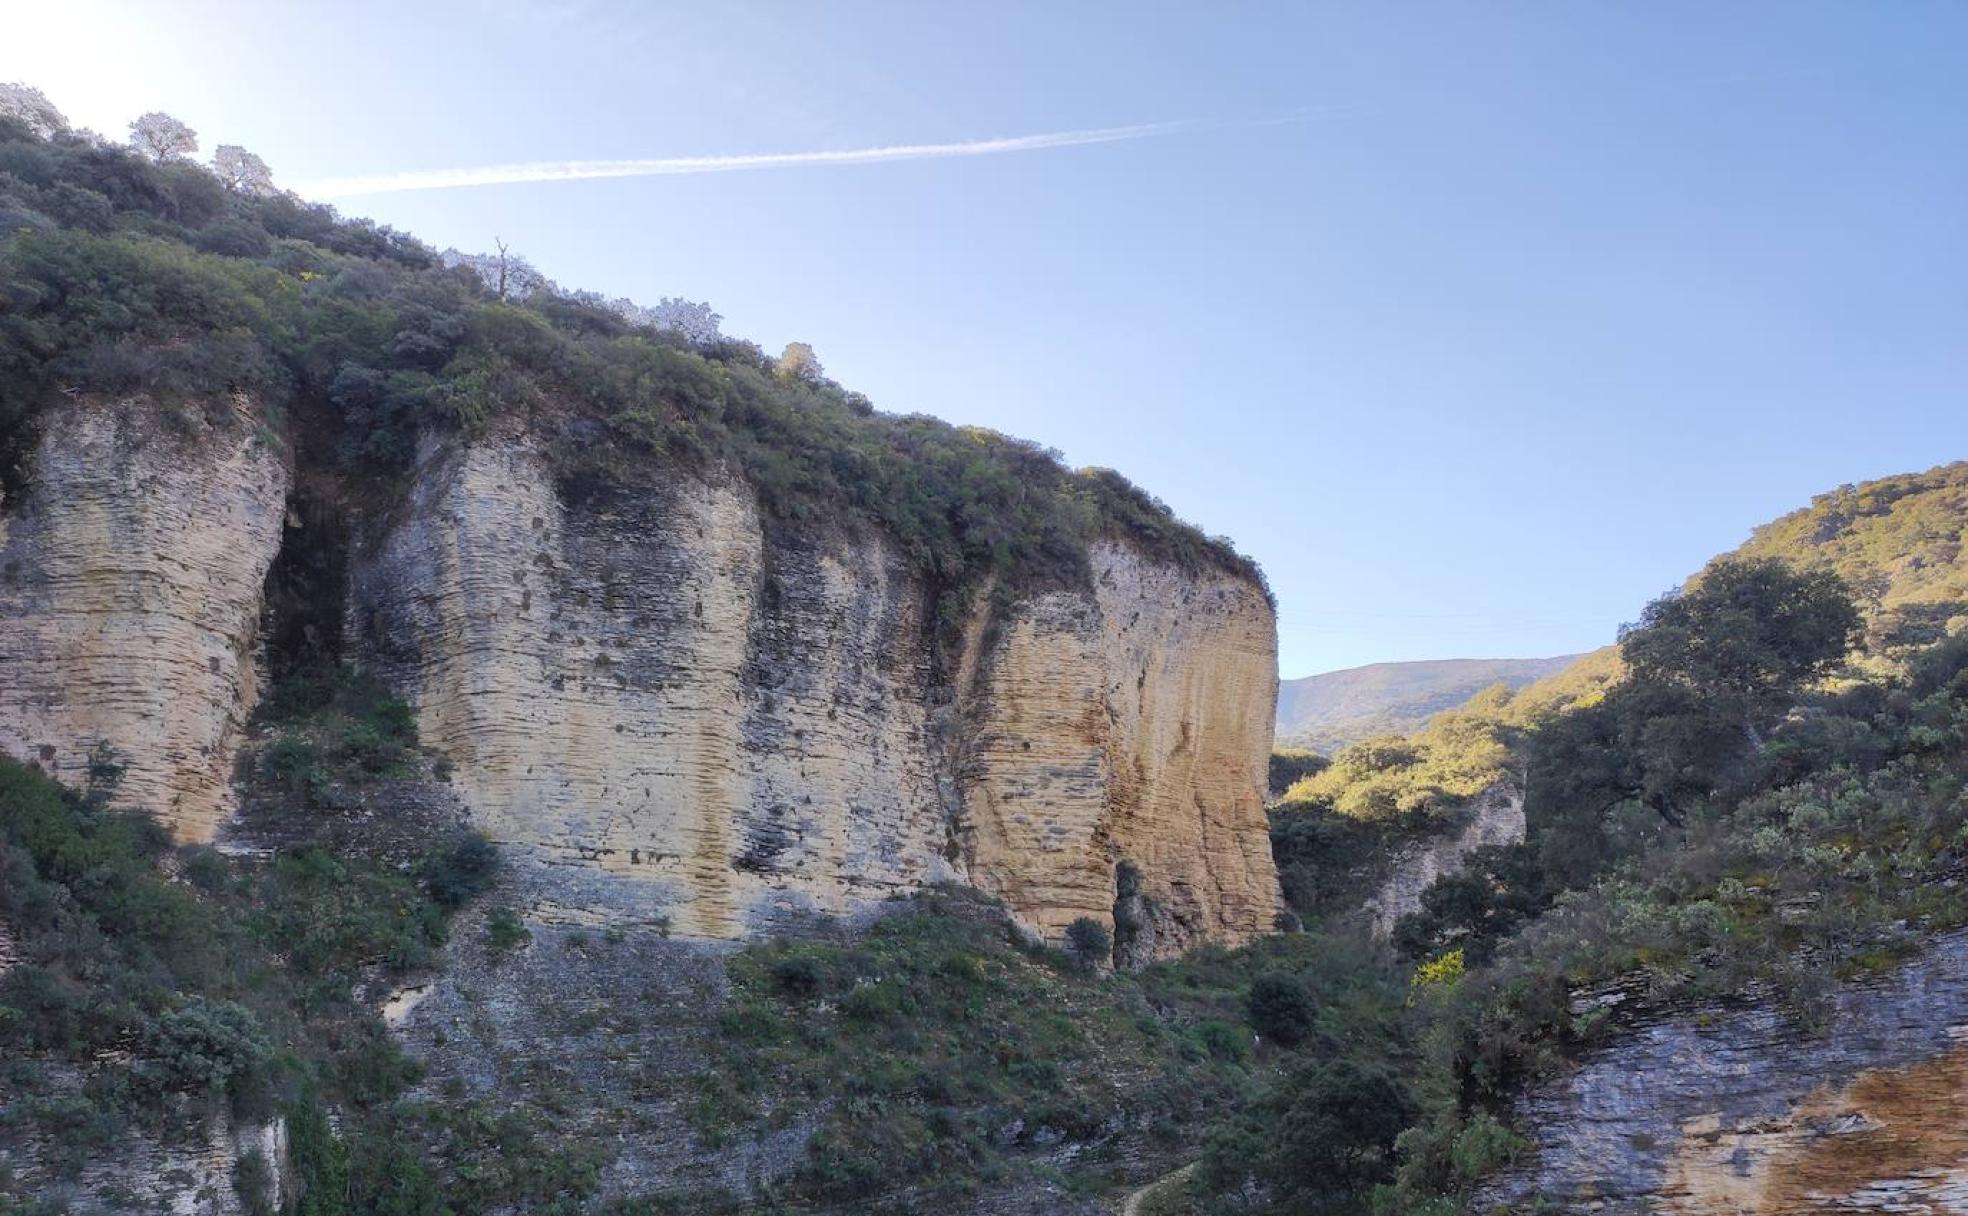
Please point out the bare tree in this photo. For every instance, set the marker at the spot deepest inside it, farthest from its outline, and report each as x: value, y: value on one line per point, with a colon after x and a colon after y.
x: 242, y: 171
x: 162, y: 137
x: 798, y: 362
x: 510, y: 276
x: 31, y: 108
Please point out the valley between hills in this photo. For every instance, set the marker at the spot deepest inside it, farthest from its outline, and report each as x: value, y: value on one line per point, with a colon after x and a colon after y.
x: 472, y: 746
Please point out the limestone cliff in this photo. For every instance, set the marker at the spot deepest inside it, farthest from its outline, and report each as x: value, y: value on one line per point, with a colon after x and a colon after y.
x: 1747, y: 1112
x: 685, y: 714
x: 631, y: 684
x: 130, y: 585
x: 692, y: 718
x: 1131, y: 724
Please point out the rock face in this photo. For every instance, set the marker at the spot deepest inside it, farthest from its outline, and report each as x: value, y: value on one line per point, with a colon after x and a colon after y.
x: 1493, y: 817
x: 1131, y: 724
x: 690, y: 718
x: 130, y: 585
x: 667, y: 710
x: 1746, y: 1113
x: 194, y: 1171
x: 630, y: 685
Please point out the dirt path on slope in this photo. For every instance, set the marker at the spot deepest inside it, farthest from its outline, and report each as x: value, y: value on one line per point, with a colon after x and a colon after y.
x: 1152, y: 1200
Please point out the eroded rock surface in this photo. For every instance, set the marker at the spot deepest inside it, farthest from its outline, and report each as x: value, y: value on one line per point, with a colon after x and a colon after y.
x: 1747, y: 1113
x: 1493, y: 817
x: 674, y: 712
x: 689, y: 718
x: 130, y: 583
x: 192, y: 1172
x: 628, y: 684
x: 1128, y: 724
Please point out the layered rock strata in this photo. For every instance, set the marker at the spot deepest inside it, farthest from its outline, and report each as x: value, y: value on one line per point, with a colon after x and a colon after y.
x: 684, y: 714
x: 630, y: 684
x: 131, y: 574
x: 749, y: 725
x: 1127, y: 724
x: 1747, y: 1112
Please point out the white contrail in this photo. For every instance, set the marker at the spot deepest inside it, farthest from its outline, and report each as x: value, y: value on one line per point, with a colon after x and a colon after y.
x: 577, y: 170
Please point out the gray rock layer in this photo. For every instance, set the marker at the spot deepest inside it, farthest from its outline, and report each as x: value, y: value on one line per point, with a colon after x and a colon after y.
x: 1747, y: 1113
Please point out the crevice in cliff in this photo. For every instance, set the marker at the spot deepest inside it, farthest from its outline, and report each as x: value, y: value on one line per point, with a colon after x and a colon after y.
x: 307, y: 584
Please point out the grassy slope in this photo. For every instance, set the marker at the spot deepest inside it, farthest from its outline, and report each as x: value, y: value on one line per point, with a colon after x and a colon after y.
x: 1838, y: 858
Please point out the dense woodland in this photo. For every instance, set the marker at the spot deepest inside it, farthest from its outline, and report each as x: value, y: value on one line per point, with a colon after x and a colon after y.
x: 1759, y: 789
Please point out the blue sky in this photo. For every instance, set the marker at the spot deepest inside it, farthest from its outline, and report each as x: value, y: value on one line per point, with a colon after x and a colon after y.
x: 1477, y: 324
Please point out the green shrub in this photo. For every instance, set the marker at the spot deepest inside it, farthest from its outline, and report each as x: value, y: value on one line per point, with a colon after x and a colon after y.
x: 253, y: 1182
x: 1222, y: 1041
x: 212, y: 1046
x: 1290, y: 765
x: 462, y: 872
x: 505, y: 931
x: 1088, y: 943
x: 798, y: 976
x: 1280, y: 1009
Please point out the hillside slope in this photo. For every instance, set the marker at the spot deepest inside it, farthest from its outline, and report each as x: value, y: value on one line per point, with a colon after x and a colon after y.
x: 470, y: 749
x: 1326, y: 712
x: 1718, y: 970
x: 1899, y: 542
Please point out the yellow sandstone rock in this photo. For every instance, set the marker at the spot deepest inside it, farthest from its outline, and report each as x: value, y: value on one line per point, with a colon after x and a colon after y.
x: 748, y: 722
x: 666, y: 707
x: 131, y: 577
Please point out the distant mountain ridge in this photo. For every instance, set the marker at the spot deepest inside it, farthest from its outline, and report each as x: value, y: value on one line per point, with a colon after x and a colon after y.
x: 1326, y: 712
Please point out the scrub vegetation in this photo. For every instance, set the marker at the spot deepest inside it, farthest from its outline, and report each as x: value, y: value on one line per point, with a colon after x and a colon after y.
x: 125, y: 275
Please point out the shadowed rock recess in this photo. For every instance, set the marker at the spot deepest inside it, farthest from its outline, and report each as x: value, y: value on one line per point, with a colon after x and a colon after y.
x: 669, y: 710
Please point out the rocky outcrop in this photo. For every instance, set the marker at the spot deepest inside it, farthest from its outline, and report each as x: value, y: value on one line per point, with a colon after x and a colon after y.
x: 1748, y: 1113
x: 130, y: 584
x: 196, y: 1171
x: 630, y: 685
x: 689, y: 718
x: 1129, y: 724
x: 684, y: 716
x: 1493, y: 817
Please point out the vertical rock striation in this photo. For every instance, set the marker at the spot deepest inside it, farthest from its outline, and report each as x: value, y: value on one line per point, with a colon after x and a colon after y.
x: 1130, y: 724
x: 674, y: 712
x: 631, y: 684
x: 645, y: 683
x: 130, y: 586
x: 192, y: 1171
